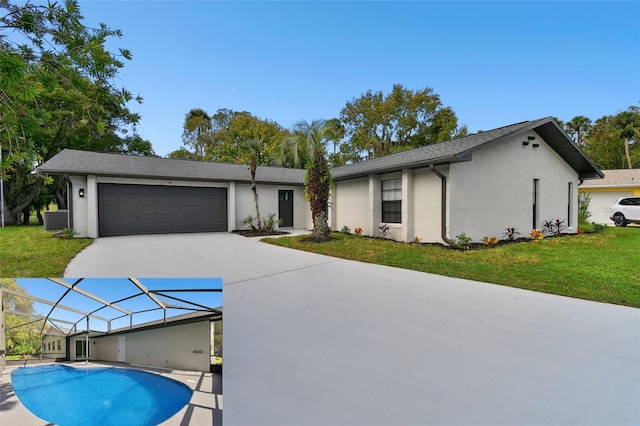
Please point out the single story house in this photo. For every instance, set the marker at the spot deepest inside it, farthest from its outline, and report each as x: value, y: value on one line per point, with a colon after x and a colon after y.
x: 514, y: 176
x: 604, y: 192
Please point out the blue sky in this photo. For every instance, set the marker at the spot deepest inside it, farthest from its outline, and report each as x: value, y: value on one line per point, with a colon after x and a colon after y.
x: 112, y: 289
x: 494, y: 63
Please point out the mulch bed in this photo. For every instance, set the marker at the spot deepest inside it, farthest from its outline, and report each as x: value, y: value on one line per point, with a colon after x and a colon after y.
x: 258, y: 233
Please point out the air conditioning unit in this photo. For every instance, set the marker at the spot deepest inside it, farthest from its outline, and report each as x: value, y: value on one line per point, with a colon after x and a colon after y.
x: 56, y: 220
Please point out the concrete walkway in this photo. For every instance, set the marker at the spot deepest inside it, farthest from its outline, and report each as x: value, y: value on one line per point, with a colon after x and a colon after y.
x: 315, y: 340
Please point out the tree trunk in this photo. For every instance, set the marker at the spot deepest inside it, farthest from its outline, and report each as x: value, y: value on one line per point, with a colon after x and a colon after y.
x: 318, y: 185
x: 12, y: 216
x: 61, y: 199
x: 627, y: 153
x: 252, y: 169
x: 320, y: 227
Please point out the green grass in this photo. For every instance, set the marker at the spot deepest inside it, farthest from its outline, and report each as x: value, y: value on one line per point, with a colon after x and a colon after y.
x: 601, y: 267
x: 14, y: 357
x: 29, y: 251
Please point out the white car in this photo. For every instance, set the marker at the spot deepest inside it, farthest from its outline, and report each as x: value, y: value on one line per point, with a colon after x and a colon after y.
x: 625, y: 210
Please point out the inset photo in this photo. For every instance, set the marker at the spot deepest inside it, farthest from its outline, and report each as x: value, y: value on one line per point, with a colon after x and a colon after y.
x: 111, y: 351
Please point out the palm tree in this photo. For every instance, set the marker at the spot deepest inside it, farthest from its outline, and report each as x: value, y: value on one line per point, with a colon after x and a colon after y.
x: 309, y: 140
x: 197, y: 126
x: 579, y: 127
x: 252, y: 150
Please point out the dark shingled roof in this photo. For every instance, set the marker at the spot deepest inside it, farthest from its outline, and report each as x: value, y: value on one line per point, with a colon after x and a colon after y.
x: 74, y: 162
x: 460, y: 150
x: 84, y: 162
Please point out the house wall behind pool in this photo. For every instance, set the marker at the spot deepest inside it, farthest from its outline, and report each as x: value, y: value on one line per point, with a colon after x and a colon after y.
x: 180, y: 347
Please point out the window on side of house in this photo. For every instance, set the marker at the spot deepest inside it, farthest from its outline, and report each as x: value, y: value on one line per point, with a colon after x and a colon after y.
x: 392, y: 200
x: 59, y: 347
x: 570, y: 204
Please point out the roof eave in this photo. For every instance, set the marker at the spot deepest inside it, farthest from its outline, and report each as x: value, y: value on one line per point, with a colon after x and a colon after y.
x: 157, y: 177
x: 411, y: 165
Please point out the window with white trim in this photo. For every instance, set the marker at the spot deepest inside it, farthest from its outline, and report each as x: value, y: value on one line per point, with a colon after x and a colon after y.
x: 391, y: 200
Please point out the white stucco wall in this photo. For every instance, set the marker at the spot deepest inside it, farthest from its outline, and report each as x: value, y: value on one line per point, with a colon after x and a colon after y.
x: 494, y: 190
x: 268, y: 203
x: 180, y: 347
x: 80, y: 206
x: 104, y: 349
x: 427, y: 196
x: 350, y: 205
x: 358, y: 204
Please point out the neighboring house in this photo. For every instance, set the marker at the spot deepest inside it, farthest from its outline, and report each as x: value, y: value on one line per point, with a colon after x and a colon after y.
x: 603, y: 193
x: 514, y: 176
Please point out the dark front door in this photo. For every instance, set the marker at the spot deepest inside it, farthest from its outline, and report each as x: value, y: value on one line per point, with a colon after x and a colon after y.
x: 285, y: 207
x: 155, y: 209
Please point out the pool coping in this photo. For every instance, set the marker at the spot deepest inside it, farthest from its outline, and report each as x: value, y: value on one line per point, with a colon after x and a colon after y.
x: 204, y: 407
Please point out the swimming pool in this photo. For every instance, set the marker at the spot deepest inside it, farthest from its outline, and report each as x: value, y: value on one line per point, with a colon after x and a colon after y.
x: 69, y: 396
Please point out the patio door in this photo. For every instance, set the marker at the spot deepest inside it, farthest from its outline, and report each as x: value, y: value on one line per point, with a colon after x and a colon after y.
x: 81, y: 349
x: 121, y: 349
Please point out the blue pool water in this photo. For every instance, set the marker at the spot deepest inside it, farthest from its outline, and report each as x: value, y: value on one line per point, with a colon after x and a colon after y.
x: 70, y: 396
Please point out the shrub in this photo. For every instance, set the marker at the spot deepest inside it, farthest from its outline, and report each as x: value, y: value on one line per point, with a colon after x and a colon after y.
x: 554, y: 226
x: 345, y: 230
x: 461, y: 242
x: 489, y: 241
x: 536, y: 234
x: 511, y: 234
x: 383, y: 230
x: 249, y: 220
x: 358, y: 231
x: 269, y: 222
x: 597, y: 227
x: 66, y: 234
x: 584, y: 199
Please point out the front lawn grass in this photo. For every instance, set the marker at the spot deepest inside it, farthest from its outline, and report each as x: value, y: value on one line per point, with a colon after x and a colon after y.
x: 602, y: 267
x: 31, y: 252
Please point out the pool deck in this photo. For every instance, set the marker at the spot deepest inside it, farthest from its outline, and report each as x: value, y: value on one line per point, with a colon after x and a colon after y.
x: 204, y: 408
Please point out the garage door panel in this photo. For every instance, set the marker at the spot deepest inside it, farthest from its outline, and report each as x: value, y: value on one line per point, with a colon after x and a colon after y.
x: 147, y: 209
x: 147, y: 216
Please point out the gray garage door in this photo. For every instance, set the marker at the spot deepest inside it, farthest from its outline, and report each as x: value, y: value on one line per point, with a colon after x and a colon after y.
x: 155, y: 209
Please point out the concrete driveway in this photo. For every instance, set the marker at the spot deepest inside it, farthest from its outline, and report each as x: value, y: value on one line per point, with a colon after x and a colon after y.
x: 314, y: 340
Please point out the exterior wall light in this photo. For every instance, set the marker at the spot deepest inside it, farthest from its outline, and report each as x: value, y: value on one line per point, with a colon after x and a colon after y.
x: 535, y: 145
x: 531, y: 138
x: 81, y: 193
x: 525, y: 143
